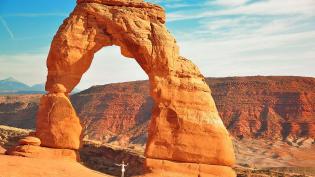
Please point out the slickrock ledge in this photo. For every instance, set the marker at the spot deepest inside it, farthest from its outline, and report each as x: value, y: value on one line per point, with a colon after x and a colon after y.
x: 43, y: 153
x: 34, y: 167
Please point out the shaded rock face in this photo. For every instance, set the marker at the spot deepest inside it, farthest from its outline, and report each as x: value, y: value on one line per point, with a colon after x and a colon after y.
x: 19, y: 110
x: 115, y: 112
x: 184, y: 116
x: 103, y: 158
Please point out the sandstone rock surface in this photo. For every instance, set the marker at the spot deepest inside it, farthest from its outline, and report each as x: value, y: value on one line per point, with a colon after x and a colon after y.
x: 30, y: 140
x: 261, y: 154
x: 115, y: 109
x: 43, y: 152
x: 34, y: 167
x: 172, y: 169
x: 266, y: 107
x: 2, y: 150
x: 184, y: 118
x: 57, y: 124
x: 241, y: 103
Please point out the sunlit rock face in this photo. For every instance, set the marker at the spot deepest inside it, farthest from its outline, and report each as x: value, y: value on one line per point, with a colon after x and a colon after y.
x: 185, y: 125
x: 57, y: 124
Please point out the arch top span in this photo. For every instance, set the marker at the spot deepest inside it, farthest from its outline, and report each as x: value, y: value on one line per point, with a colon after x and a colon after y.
x: 140, y: 33
x: 185, y: 124
x: 127, y: 3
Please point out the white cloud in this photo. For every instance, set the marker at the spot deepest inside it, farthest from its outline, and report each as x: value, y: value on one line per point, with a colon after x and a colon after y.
x: 289, y: 54
x: 274, y: 7
x: 218, y: 24
x: 28, y: 68
x: 228, y: 2
x: 270, y: 7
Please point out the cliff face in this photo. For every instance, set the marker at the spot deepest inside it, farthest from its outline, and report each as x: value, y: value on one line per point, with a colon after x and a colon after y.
x: 18, y: 110
x: 114, y: 109
x: 256, y: 107
x: 266, y: 107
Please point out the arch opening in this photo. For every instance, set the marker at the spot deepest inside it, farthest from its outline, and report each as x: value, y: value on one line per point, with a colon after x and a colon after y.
x: 105, y: 111
x: 109, y: 66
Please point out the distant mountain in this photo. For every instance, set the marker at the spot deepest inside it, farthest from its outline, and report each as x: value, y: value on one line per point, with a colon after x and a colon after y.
x: 38, y: 87
x: 13, y: 86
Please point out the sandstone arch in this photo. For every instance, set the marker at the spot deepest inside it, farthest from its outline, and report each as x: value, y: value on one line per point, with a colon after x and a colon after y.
x: 185, y: 125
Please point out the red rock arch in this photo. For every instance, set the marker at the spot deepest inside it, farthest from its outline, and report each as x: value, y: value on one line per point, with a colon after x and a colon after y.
x: 185, y: 125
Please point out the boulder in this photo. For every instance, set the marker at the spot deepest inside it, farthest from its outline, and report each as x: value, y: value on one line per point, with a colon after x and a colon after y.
x: 57, y: 125
x: 30, y: 140
x: 43, y: 152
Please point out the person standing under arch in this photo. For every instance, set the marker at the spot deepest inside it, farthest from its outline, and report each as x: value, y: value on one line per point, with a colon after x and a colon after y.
x: 123, y: 169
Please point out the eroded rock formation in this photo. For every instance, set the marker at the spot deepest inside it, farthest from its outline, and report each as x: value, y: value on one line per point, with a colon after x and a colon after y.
x: 185, y: 125
x: 120, y: 112
x: 266, y: 107
x: 57, y: 124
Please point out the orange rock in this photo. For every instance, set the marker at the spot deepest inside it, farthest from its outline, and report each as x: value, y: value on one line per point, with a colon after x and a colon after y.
x: 43, y: 152
x: 2, y: 150
x: 34, y: 167
x: 57, y: 124
x: 30, y: 140
x: 185, y: 124
x: 172, y: 169
x: 208, y: 144
x: 240, y: 101
x: 57, y: 88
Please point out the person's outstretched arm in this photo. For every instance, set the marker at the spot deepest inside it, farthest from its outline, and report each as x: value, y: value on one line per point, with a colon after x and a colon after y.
x: 117, y: 164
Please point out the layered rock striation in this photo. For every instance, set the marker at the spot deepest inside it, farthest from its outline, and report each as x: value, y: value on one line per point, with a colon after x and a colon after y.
x: 113, y: 110
x: 121, y: 112
x: 270, y: 108
x: 19, y: 110
x: 266, y: 107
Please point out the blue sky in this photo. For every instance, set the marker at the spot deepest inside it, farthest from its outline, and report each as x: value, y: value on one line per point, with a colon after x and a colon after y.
x: 223, y: 37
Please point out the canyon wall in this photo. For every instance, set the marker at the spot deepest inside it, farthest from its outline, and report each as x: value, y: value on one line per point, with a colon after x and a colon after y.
x: 19, y: 110
x: 250, y: 107
x: 255, y: 107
